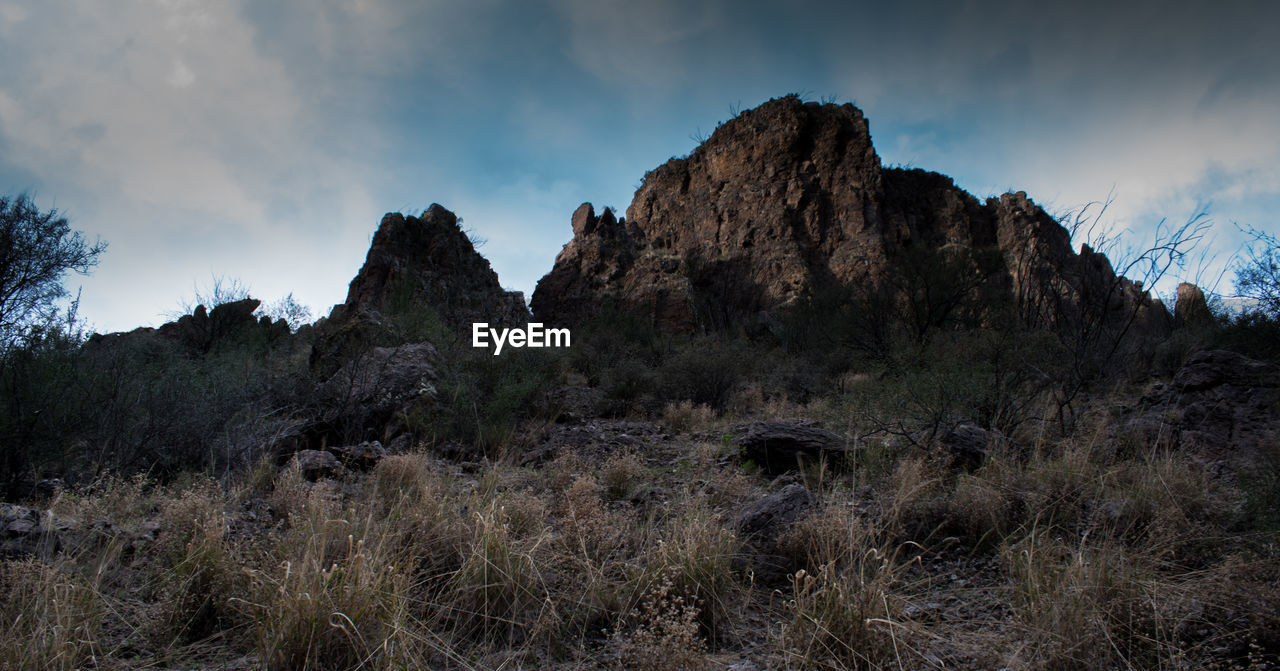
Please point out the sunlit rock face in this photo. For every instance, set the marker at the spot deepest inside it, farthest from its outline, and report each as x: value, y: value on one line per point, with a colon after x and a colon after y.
x: 790, y: 199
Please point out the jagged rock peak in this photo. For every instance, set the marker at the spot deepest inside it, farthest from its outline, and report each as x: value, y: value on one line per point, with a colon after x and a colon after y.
x: 429, y: 261
x: 788, y: 200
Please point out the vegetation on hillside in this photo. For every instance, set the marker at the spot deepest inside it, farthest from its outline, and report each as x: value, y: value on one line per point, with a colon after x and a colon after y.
x: 181, y: 538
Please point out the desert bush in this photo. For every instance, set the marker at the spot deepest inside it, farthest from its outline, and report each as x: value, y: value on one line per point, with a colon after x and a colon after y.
x: 1099, y: 606
x: 921, y: 392
x: 694, y: 552
x: 1253, y: 333
x: 318, y: 610
x: 705, y: 371
x: 139, y: 402
x: 487, y: 397
x: 620, y: 474
x: 661, y: 634
x: 497, y: 593
x: 686, y: 416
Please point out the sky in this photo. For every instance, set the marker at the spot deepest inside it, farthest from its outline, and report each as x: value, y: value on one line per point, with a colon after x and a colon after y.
x: 263, y: 141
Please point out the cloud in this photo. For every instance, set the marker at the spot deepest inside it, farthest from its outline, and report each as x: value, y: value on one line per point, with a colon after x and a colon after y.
x: 165, y: 121
x: 264, y: 140
x: 646, y: 45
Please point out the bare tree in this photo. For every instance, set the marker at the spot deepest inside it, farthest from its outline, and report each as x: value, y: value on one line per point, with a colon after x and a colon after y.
x: 1258, y: 274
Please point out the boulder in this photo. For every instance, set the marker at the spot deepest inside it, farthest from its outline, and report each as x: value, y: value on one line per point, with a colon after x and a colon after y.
x: 967, y: 445
x: 361, y: 457
x: 761, y: 523
x: 27, y: 531
x: 366, y: 396
x: 778, y: 447
x: 315, y: 465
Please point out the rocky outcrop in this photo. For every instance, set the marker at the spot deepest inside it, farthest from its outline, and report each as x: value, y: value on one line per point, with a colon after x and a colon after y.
x: 789, y: 200
x: 421, y: 273
x: 368, y: 397
x: 429, y: 261
x: 203, y: 330
x: 1220, y: 403
x: 1191, y: 308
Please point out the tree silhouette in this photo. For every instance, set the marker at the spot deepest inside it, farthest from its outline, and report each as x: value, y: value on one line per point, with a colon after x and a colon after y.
x: 36, y: 250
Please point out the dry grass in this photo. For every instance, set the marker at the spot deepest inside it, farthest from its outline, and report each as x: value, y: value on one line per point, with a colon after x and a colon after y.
x: 52, y: 617
x: 1100, y: 559
x: 687, y: 416
x: 845, y: 601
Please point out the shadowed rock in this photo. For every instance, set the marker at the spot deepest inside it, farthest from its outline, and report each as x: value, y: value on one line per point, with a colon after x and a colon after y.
x: 1191, y: 308
x: 1221, y: 403
x: 778, y: 447
x: 762, y: 522
x: 361, y: 457
x: 315, y: 465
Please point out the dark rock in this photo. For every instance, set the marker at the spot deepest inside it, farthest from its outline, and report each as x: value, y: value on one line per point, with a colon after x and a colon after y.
x: 596, y: 438
x: 1191, y: 308
x: 368, y: 395
x: 781, y: 446
x: 49, y: 487
x: 201, y: 331
x: 790, y: 200
x: 362, y: 457
x: 762, y: 523
x: 418, y: 269
x: 1220, y: 403
x: 314, y: 465
x: 430, y: 261
x: 25, y: 532
x: 400, y: 444
x: 1209, y: 369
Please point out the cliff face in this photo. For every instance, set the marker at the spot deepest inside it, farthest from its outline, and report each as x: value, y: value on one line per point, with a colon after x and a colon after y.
x: 788, y: 200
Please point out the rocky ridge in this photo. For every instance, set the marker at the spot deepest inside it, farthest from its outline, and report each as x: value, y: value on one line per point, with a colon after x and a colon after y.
x: 429, y: 261
x: 790, y: 199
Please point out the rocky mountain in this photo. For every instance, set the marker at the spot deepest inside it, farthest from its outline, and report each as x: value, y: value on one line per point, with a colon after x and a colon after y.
x: 429, y: 261
x: 418, y: 270
x: 789, y: 200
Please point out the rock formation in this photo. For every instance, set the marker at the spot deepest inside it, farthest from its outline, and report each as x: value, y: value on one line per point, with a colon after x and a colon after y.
x: 788, y: 200
x: 418, y: 270
x: 203, y: 330
x: 429, y: 261
x: 1219, y: 403
x: 1190, y: 307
